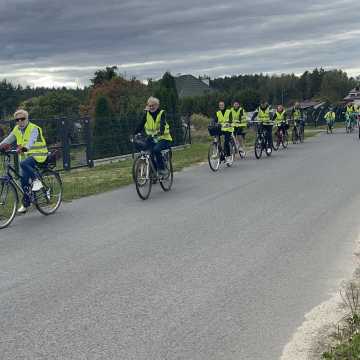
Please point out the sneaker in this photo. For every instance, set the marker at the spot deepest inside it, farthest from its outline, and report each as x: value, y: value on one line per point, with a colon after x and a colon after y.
x: 228, y: 160
x: 268, y: 150
x: 22, y: 210
x: 37, y: 185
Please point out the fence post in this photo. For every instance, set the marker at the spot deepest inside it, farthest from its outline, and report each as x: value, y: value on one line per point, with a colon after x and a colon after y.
x: 16, y: 157
x: 189, y: 128
x: 64, y: 123
x: 88, y: 140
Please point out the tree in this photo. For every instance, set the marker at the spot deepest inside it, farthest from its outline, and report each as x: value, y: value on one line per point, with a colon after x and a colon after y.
x: 103, y: 134
x: 102, y: 76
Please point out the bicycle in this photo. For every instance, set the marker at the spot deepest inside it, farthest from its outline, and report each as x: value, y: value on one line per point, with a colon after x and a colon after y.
x: 47, y: 200
x: 329, y: 127
x: 295, y: 137
x: 144, y: 171
x: 261, y: 143
x: 281, y: 138
x: 216, y: 154
x: 349, y: 124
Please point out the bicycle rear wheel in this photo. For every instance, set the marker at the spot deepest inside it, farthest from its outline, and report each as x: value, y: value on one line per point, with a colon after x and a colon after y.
x: 214, y: 156
x: 167, y: 181
x: 8, y: 203
x: 143, y: 181
x: 48, y: 199
x: 258, y: 148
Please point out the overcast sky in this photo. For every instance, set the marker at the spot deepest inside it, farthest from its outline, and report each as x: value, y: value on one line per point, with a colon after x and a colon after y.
x: 55, y: 43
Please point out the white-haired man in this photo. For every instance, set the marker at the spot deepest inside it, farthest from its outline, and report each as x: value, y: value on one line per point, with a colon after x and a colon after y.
x: 32, y: 149
x: 155, y: 126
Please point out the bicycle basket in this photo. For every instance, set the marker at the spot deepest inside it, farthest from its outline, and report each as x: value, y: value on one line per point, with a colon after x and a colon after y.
x: 214, y: 129
x: 140, y: 143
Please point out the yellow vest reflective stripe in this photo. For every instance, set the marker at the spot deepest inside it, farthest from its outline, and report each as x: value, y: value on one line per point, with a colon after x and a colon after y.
x: 152, y: 127
x: 39, y: 150
x: 239, y: 117
x: 264, y: 116
x: 224, y: 120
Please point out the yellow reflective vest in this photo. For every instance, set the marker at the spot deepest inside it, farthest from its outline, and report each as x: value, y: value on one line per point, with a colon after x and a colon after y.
x: 264, y: 116
x: 280, y: 118
x: 39, y: 150
x: 330, y: 116
x: 224, y: 120
x: 152, y: 127
x: 239, y: 117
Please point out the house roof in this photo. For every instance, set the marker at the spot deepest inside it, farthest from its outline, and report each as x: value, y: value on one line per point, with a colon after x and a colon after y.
x: 189, y: 85
x: 354, y: 94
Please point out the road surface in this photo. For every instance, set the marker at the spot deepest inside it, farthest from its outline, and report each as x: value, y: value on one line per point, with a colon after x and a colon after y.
x: 223, y: 267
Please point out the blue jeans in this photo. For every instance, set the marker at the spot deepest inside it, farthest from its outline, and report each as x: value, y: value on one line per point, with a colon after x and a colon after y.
x: 156, y: 149
x: 27, y: 167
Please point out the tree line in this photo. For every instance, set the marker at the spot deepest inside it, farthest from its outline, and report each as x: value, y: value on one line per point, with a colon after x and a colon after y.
x: 116, y: 104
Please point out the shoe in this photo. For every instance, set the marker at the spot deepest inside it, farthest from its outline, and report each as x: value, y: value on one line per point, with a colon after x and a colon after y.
x: 37, y: 185
x: 22, y: 210
x: 242, y: 153
x: 268, y: 150
x: 228, y: 160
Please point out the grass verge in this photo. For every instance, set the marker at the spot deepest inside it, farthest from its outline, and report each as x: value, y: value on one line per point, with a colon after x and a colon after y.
x: 346, y: 339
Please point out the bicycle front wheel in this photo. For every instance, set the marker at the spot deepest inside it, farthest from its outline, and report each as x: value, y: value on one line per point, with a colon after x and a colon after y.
x: 258, y: 147
x: 143, y: 181
x: 8, y: 203
x: 167, y: 181
x: 214, y: 156
x: 232, y: 154
x: 285, y: 140
x: 48, y: 199
x: 276, y: 143
x: 301, y: 135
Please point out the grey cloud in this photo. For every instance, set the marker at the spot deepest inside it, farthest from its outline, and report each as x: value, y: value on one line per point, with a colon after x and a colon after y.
x: 76, y: 38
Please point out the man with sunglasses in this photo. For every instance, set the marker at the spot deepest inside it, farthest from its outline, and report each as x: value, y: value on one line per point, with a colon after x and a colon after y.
x: 31, y: 147
x: 155, y: 126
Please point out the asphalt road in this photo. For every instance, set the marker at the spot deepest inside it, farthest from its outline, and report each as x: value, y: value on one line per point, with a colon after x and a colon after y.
x: 223, y: 267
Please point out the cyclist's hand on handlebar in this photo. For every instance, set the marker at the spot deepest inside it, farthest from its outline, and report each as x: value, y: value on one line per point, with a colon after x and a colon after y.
x: 21, y: 149
x: 5, y: 147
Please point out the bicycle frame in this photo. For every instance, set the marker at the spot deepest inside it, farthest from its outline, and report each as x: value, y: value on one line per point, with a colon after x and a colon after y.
x: 11, y: 175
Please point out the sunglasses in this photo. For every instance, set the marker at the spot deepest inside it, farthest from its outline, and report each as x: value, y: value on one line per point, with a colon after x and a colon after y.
x: 20, y: 119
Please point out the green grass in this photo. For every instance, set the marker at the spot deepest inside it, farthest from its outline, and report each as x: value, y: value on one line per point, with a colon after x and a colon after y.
x: 84, y: 182
x: 346, y: 351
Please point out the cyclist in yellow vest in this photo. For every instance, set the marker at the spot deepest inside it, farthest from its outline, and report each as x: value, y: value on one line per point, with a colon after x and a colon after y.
x: 280, y: 119
x: 330, y: 116
x: 350, y: 114
x: 297, y: 118
x: 31, y: 147
x: 157, y: 129
x: 239, y: 118
x: 264, y: 117
x: 224, y: 117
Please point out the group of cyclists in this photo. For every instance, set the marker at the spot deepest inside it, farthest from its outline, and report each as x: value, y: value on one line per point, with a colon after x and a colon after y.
x: 235, y: 121
x: 232, y: 123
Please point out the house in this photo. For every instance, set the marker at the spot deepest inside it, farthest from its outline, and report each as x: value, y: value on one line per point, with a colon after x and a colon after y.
x: 354, y: 95
x: 189, y: 86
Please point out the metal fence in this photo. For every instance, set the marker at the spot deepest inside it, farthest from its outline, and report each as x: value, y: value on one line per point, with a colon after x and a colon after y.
x: 79, y: 141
